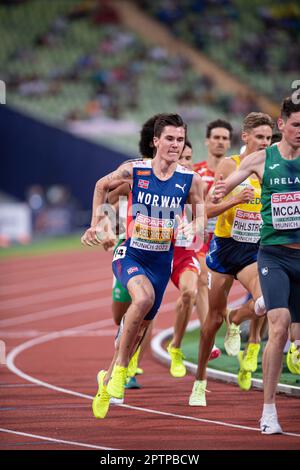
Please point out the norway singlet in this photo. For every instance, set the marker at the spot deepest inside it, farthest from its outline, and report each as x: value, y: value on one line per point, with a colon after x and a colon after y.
x: 148, y: 250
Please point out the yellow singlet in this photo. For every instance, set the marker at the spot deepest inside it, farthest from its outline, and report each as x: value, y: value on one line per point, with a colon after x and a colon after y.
x: 241, y: 222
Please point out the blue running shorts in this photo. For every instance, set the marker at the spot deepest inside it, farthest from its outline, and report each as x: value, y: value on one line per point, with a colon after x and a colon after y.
x: 125, y: 267
x: 227, y: 256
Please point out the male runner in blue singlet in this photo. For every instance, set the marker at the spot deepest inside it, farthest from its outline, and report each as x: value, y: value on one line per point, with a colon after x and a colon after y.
x: 160, y: 189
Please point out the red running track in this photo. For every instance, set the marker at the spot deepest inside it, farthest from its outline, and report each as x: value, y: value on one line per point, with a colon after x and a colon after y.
x: 57, y: 327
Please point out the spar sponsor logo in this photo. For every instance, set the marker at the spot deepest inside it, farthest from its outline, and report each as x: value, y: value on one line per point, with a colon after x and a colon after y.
x: 153, y: 222
x: 248, y: 215
x: 286, y: 210
x: 286, y: 197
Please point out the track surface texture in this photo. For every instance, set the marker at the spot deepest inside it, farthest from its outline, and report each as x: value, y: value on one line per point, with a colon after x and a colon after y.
x: 57, y: 326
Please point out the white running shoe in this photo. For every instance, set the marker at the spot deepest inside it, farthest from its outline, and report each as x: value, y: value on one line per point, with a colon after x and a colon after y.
x: 116, y: 401
x: 269, y: 424
x: 232, y: 340
x: 197, y: 397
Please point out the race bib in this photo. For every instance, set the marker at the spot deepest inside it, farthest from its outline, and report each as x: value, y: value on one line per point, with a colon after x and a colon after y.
x: 246, y: 226
x: 120, y: 253
x: 152, y: 234
x: 286, y: 210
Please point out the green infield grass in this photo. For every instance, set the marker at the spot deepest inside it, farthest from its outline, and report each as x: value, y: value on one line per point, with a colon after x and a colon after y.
x: 230, y: 364
x: 43, y: 246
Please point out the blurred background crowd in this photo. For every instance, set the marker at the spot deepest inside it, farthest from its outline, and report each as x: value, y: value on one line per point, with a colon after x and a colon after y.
x: 97, y: 69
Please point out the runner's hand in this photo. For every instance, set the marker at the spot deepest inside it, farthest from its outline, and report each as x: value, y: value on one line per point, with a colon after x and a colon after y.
x: 89, y: 238
x: 218, y: 191
x: 187, y: 230
x: 245, y: 196
x: 101, y: 234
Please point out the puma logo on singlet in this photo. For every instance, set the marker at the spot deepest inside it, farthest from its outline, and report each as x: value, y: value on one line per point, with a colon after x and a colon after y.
x: 181, y: 187
x: 272, y: 167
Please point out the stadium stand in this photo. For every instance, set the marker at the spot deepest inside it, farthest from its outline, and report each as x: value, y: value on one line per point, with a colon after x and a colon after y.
x: 75, y: 65
x: 260, y: 39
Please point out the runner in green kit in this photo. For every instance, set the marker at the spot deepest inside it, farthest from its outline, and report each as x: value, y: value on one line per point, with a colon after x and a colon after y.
x: 278, y: 168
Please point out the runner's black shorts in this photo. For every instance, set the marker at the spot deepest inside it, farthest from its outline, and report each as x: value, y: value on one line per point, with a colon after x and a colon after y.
x: 279, y: 275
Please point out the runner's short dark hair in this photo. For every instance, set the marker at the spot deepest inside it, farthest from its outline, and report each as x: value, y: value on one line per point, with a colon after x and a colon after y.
x: 168, y: 120
x: 288, y: 107
x: 219, y: 123
x: 146, y: 146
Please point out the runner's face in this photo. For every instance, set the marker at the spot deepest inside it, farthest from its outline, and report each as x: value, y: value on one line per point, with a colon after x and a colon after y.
x: 186, y: 158
x: 218, y: 142
x: 290, y: 129
x: 258, y: 138
x: 170, y: 144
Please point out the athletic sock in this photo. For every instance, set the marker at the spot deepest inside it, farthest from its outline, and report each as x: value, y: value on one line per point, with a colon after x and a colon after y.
x: 269, y: 409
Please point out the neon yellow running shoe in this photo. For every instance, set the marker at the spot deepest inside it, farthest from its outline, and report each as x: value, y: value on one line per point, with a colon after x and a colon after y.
x: 293, y: 359
x: 100, y: 404
x: 116, y: 384
x: 250, y: 357
x: 139, y: 371
x: 244, y: 377
x: 197, y: 397
x: 177, y: 368
x: 133, y: 363
x: 232, y: 340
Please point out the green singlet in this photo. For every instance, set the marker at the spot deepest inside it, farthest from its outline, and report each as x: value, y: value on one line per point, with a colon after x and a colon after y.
x: 280, y: 199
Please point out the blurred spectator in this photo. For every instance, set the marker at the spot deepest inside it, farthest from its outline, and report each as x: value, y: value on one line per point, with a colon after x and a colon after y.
x: 36, y: 201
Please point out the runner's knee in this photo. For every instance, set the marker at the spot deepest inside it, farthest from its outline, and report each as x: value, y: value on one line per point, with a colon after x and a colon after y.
x: 188, y: 295
x: 215, y: 316
x: 279, y: 333
x: 144, y: 303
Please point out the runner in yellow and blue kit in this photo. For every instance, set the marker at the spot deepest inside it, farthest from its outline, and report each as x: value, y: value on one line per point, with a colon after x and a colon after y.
x: 233, y: 254
x: 240, y: 223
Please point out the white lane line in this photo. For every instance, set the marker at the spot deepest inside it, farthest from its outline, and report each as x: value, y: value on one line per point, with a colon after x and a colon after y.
x: 34, y: 269
x: 69, y: 309
x: 22, y: 334
x: 35, y: 333
x: 59, y: 441
x: 57, y: 294
x: 27, y: 345
x: 57, y: 312
x: 43, y: 339
x: 76, y: 277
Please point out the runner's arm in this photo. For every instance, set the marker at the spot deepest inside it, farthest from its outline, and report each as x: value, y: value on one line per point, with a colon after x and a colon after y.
x: 253, y: 163
x: 100, y: 223
x: 122, y: 175
x: 196, y: 199
x: 114, y: 194
x: 225, y: 168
